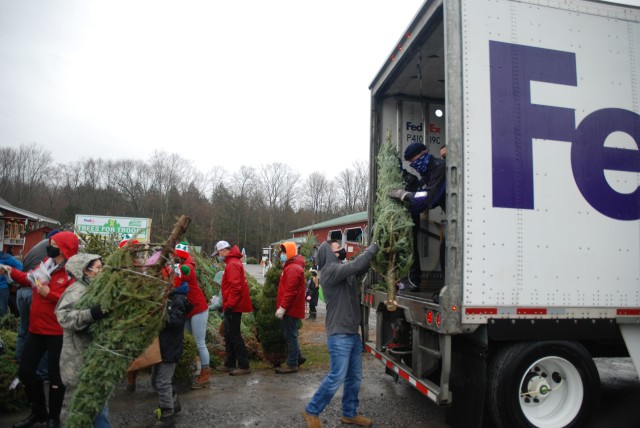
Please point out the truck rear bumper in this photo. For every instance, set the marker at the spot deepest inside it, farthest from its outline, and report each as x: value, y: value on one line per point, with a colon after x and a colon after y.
x: 429, y: 389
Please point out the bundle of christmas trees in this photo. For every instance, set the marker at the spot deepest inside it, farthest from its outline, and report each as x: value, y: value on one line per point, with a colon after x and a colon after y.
x: 135, y: 300
x: 393, y: 225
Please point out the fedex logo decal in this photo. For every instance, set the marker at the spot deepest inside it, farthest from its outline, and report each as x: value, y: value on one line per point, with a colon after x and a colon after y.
x: 515, y: 121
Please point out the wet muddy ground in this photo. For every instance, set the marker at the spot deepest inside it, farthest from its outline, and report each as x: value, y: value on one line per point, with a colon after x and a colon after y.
x: 264, y: 399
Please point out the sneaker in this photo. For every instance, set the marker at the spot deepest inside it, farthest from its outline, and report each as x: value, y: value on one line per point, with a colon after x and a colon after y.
x: 301, y: 361
x: 225, y: 369
x: 357, y: 420
x: 240, y: 371
x: 311, y: 420
x: 287, y: 369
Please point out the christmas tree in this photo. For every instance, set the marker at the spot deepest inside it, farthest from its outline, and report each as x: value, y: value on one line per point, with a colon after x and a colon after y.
x: 393, y: 224
x: 135, y: 300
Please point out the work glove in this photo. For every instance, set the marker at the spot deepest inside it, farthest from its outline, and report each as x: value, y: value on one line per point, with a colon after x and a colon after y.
x: 398, y: 194
x: 96, y: 312
x: 5, y: 269
x: 182, y: 289
x: 280, y: 312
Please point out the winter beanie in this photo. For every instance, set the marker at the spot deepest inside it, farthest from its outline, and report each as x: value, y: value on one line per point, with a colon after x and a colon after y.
x: 413, y: 149
x: 182, y: 250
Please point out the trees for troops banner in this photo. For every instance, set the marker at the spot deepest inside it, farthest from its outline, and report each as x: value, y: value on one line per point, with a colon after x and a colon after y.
x: 140, y: 228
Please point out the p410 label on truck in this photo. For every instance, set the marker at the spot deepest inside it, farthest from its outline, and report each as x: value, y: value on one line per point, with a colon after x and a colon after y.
x: 538, y: 104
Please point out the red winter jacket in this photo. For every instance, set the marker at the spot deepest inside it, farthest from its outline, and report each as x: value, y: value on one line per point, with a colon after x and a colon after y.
x: 42, y: 319
x: 235, y: 289
x: 195, y: 296
x: 291, y: 288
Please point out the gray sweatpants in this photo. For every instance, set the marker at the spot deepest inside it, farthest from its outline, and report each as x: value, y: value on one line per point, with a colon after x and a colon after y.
x: 161, y: 376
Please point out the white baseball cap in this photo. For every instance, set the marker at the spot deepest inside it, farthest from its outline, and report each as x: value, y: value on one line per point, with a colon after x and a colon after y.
x: 221, y: 245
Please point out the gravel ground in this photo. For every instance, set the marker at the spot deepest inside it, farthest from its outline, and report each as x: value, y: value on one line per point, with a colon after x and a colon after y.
x: 264, y: 399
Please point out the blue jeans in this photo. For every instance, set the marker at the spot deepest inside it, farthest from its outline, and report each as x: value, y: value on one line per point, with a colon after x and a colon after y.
x: 197, y: 326
x: 345, y: 353
x: 290, y: 331
x: 102, y: 419
x: 4, y: 301
x: 23, y: 301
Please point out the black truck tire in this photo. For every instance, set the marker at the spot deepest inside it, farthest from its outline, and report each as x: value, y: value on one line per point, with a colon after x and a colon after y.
x: 542, y: 384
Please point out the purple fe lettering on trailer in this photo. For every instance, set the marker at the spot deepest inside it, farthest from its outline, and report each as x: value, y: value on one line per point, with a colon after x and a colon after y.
x: 515, y: 121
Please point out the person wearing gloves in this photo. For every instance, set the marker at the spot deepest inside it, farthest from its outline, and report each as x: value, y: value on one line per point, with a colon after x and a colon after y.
x: 49, y: 280
x: 235, y: 301
x: 215, y: 304
x: 291, y: 304
x: 197, y: 317
x: 343, y: 340
x: 429, y: 194
x: 75, y: 322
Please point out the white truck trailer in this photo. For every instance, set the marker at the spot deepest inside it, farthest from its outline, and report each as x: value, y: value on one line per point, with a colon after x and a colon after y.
x: 538, y: 103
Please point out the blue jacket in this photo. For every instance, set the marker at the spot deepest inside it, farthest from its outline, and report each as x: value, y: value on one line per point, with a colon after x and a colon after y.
x: 8, y: 259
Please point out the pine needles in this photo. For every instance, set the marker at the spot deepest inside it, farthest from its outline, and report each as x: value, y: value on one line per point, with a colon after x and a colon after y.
x: 393, y: 225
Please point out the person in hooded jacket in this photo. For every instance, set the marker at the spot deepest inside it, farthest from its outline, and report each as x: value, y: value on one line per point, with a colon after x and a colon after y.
x: 49, y: 280
x: 75, y: 322
x: 291, y: 303
x: 338, y: 282
x: 197, y: 317
x: 235, y: 301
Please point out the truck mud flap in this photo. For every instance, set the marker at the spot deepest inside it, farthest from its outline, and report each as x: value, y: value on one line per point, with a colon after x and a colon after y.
x: 429, y: 389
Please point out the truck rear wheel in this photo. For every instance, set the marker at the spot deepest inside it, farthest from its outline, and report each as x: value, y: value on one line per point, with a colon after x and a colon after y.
x: 542, y: 384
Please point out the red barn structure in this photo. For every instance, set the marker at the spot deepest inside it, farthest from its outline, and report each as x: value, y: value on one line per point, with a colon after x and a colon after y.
x: 349, y: 230
x: 21, y: 229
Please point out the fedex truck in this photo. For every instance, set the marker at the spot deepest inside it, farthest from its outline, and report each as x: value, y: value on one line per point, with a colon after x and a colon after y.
x: 538, y: 104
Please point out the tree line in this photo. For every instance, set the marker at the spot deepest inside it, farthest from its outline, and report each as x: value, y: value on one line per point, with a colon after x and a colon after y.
x: 251, y: 207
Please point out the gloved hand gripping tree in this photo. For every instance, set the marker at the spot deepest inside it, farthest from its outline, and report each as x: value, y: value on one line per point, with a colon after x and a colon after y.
x: 393, y: 225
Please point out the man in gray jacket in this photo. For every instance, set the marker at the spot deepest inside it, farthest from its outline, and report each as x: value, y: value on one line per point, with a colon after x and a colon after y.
x: 338, y: 282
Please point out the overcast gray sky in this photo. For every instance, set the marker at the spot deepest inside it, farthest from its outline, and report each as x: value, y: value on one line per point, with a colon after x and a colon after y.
x: 222, y: 83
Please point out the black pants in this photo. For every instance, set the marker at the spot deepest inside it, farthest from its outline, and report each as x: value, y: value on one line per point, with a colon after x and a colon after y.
x: 34, y: 348
x: 234, y: 343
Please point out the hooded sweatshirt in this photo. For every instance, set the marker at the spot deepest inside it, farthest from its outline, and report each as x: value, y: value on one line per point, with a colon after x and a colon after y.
x: 338, y: 282
x: 42, y: 319
x: 235, y: 289
x: 74, y: 321
x: 291, y: 288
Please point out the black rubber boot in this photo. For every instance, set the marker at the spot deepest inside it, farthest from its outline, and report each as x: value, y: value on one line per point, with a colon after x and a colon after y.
x: 56, y: 397
x: 166, y: 419
x: 35, y: 394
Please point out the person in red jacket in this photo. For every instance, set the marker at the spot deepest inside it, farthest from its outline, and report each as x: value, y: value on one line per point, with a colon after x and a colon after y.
x: 197, y: 317
x: 49, y: 280
x: 235, y: 301
x: 291, y: 303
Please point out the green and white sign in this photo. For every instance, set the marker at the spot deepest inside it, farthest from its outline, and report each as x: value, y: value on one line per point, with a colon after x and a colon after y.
x: 140, y: 228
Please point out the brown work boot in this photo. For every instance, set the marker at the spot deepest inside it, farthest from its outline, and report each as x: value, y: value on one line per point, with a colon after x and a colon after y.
x: 225, y: 369
x: 203, y: 380
x: 312, y: 421
x: 357, y: 420
x: 286, y: 369
x: 240, y: 372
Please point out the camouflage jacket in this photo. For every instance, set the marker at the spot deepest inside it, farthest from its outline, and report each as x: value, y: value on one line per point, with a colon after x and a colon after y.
x: 74, y: 322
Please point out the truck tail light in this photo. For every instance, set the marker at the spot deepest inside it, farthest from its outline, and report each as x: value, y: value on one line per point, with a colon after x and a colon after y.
x: 429, y: 317
x: 438, y: 320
